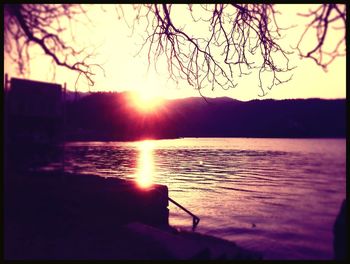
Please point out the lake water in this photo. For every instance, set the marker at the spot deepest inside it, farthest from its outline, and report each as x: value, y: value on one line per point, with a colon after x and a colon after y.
x: 277, y: 196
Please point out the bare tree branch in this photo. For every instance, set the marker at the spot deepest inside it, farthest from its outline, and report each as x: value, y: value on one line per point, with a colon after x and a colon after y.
x: 241, y: 38
x: 41, y: 25
x: 323, y: 17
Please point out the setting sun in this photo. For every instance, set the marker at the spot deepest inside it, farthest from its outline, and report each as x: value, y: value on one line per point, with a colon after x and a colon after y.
x: 146, y: 102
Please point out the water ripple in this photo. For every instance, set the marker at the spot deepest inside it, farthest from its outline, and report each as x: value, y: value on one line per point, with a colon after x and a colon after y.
x: 280, y: 196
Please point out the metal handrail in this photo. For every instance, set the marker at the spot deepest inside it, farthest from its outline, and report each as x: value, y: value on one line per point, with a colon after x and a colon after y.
x: 194, y: 217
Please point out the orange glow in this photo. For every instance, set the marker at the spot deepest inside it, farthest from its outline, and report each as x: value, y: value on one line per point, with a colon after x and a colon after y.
x: 145, y: 164
x: 146, y: 101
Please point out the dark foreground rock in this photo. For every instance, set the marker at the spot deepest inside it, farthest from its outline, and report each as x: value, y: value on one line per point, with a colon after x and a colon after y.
x: 184, y: 245
x: 340, y: 234
x: 50, y: 215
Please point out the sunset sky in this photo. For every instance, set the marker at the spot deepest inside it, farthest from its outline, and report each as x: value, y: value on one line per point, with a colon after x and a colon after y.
x: 124, y: 72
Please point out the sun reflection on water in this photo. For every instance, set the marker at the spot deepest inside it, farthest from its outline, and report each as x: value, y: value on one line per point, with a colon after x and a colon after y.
x: 145, y: 164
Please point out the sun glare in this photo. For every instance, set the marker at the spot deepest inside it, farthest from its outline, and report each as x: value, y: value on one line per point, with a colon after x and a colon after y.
x: 145, y: 164
x: 146, y: 102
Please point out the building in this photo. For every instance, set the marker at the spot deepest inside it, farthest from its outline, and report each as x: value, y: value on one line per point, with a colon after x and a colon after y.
x: 34, y: 118
x: 34, y: 112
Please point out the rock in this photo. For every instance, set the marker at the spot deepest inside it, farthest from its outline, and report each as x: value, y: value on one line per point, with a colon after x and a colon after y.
x: 191, y: 245
x: 340, y: 234
x: 177, y: 246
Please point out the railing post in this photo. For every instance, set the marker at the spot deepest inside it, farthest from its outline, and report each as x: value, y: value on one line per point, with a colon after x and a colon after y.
x: 195, y: 219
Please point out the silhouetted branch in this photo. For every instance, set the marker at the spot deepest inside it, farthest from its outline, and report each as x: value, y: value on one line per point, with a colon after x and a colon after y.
x: 240, y: 38
x: 27, y: 24
x: 323, y: 18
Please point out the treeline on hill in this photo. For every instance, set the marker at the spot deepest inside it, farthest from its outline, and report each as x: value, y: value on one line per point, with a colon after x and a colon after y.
x: 112, y: 116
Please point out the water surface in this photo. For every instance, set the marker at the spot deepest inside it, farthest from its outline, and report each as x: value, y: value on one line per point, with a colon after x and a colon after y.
x: 278, y: 196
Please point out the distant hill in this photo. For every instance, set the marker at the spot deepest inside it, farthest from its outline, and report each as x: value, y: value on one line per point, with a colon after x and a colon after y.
x: 110, y: 116
x: 71, y: 95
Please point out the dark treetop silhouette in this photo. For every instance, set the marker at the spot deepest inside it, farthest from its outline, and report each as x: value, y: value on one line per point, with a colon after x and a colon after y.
x: 109, y: 116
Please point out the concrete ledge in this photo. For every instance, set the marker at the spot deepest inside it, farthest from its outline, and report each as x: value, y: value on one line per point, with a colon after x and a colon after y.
x: 88, y: 197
